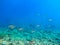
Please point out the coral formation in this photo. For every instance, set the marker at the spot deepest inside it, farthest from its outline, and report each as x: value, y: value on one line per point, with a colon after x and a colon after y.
x: 28, y: 37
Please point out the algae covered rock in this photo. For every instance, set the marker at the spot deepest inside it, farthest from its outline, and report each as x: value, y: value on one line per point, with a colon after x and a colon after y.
x: 1, y: 40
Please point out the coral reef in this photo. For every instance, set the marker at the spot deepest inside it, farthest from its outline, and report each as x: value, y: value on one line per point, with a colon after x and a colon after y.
x: 19, y: 36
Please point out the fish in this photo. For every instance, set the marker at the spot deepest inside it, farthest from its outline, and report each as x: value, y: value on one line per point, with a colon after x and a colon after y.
x: 11, y: 26
x: 49, y: 26
x: 32, y: 26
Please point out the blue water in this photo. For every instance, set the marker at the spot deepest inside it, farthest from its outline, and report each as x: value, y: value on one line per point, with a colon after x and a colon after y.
x: 29, y: 22
x: 20, y: 12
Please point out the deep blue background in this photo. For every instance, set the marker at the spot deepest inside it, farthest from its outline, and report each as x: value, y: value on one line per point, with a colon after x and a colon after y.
x: 30, y: 12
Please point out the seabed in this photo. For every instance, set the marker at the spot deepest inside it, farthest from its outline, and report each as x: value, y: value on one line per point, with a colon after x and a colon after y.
x: 21, y: 36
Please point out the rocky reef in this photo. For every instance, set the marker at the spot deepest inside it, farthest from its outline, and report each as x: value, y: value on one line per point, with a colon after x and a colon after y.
x: 24, y: 36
